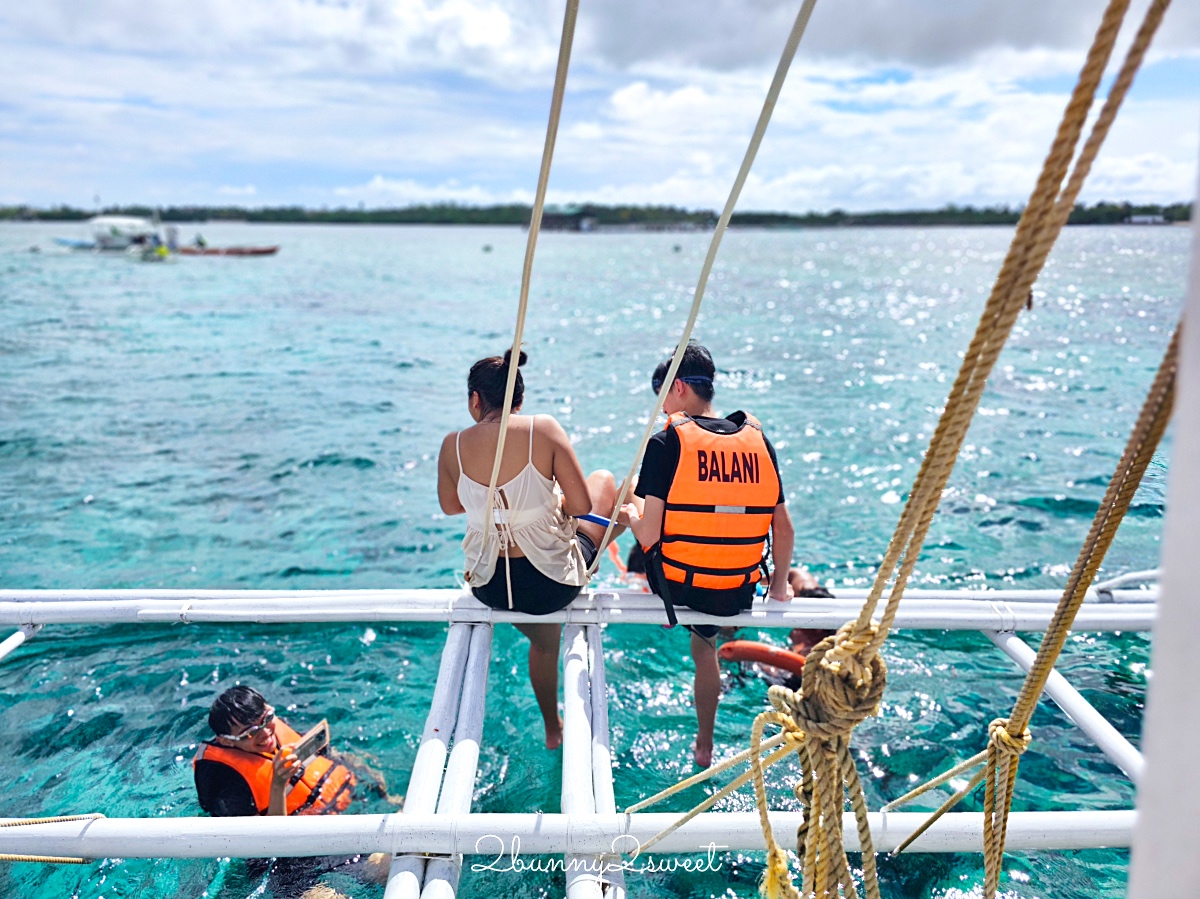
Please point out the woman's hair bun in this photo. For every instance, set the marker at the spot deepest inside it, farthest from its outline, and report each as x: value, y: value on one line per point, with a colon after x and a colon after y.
x: 521, y: 360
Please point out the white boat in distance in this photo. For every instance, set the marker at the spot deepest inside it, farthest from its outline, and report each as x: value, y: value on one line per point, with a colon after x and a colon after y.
x: 120, y: 232
x: 114, y: 232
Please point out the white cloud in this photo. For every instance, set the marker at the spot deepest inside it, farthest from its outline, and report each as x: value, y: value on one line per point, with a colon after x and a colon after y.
x: 382, y: 191
x: 727, y: 34
x: 890, y: 104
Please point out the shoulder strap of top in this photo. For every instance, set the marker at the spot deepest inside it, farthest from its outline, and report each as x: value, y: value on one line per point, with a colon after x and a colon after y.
x: 675, y: 419
x: 458, y: 452
x: 532, y: 424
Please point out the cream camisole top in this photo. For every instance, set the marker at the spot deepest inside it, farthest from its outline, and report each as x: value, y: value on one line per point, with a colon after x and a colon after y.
x: 527, y: 511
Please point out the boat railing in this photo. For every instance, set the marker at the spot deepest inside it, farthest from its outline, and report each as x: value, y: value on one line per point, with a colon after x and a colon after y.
x: 598, y: 846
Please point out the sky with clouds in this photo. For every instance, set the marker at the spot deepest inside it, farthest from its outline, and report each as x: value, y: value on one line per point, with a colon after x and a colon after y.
x: 890, y: 103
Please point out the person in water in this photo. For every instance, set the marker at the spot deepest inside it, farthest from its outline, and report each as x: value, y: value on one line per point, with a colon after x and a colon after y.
x: 532, y: 555
x: 248, y: 768
x: 710, y: 494
x: 803, y: 585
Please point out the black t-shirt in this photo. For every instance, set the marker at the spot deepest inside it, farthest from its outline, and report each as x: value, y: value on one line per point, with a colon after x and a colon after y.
x: 662, y: 455
x: 658, y: 471
x: 222, y: 792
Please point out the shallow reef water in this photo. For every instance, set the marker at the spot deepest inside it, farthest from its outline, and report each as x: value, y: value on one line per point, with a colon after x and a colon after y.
x: 274, y: 423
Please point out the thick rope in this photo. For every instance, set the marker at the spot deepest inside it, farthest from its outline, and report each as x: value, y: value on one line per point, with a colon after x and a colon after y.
x: 535, y: 227
x: 844, y: 684
x: 764, y: 118
x: 1035, y: 236
x: 47, y: 859
x: 1008, y: 738
x: 845, y: 675
x: 835, y: 695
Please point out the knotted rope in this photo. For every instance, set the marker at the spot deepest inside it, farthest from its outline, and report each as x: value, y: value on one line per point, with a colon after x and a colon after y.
x: 1008, y: 738
x: 843, y: 686
x: 764, y: 119
x: 838, y: 690
x: 47, y: 859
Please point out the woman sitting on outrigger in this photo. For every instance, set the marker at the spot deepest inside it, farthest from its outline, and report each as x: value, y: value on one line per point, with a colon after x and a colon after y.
x: 533, y: 554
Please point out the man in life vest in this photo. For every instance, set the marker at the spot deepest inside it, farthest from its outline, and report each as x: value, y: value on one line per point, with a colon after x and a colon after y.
x: 711, y: 504
x: 249, y: 768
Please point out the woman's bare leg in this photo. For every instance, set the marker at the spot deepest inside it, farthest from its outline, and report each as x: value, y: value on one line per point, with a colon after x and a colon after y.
x: 544, y: 640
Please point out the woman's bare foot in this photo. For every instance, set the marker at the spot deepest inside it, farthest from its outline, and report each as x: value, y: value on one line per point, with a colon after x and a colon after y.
x: 554, y: 737
x: 702, y: 754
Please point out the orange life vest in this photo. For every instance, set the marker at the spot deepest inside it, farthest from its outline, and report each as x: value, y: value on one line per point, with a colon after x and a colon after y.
x: 321, y: 787
x: 719, y: 508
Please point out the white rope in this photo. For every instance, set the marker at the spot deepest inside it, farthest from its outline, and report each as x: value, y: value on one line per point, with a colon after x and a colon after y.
x: 535, y: 226
x: 764, y: 118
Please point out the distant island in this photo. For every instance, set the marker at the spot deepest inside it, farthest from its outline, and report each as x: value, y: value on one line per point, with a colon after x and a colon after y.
x: 595, y: 217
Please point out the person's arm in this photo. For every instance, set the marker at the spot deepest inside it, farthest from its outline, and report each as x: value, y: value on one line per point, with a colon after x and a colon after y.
x: 577, y: 500
x: 783, y: 537
x: 448, y: 477
x: 646, y: 526
x: 283, y: 764
x: 653, y: 486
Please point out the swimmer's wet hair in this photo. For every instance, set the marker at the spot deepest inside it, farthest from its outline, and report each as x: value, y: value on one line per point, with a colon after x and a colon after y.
x: 238, y: 705
x: 489, y: 377
x: 696, y: 369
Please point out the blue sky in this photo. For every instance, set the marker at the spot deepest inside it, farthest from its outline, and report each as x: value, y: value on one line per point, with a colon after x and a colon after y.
x: 891, y: 103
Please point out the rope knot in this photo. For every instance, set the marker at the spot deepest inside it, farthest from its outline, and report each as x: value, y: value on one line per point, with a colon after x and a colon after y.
x: 1006, y: 743
x: 843, y: 682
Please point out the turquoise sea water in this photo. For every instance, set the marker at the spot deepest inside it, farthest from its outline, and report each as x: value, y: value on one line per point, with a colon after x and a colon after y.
x: 274, y: 423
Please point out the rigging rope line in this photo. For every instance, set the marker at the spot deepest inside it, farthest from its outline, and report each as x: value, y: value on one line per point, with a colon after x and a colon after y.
x: 760, y: 128
x: 48, y: 859
x: 1008, y: 738
x: 845, y: 676
x: 535, y: 225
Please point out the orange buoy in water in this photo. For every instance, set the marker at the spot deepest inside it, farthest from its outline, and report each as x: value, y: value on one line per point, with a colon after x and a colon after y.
x: 763, y: 653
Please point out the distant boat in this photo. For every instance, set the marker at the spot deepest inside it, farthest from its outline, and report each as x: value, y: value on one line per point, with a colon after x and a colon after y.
x: 227, y: 251
x: 113, y: 232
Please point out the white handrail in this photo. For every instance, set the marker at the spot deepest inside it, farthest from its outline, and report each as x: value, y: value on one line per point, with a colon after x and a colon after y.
x: 12, y: 641
x: 1119, y: 750
x: 458, y: 786
x: 602, y: 779
x: 442, y: 596
x: 980, y: 612
x: 491, y: 835
x: 407, y: 872
x: 578, y: 795
x: 1130, y: 577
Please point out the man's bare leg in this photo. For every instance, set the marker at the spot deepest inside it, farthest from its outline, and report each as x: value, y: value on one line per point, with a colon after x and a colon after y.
x: 544, y: 640
x: 708, y: 694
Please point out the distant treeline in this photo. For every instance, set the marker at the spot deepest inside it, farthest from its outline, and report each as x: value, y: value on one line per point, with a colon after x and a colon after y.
x: 1100, y: 214
x: 602, y: 216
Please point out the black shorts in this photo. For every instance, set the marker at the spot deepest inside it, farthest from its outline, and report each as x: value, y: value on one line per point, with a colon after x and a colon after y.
x: 533, y: 593
x: 724, y: 603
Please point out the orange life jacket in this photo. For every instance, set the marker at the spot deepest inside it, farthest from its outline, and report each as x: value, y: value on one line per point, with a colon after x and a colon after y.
x: 718, y: 510
x: 321, y: 787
